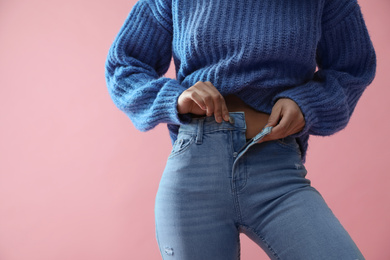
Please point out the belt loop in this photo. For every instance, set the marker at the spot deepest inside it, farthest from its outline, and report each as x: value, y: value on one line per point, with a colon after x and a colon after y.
x: 199, y: 134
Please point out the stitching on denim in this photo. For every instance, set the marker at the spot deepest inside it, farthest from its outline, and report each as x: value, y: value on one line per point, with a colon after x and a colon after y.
x: 223, y: 129
x: 231, y: 142
x: 182, y: 149
x: 294, y: 147
x: 239, y: 188
x: 239, y: 247
x: 262, y: 239
x: 236, y: 203
x: 214, y: 130
x: 199, y: 132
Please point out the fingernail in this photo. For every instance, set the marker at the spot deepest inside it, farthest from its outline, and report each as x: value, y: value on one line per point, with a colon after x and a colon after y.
x: 219, y: 119
x: 226, y: 117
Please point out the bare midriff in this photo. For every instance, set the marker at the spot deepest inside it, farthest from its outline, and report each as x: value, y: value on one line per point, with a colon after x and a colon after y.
x: 255, y: 120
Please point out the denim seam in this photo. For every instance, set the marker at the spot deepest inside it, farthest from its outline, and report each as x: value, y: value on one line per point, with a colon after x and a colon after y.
x: 261, y: 238
x: 182, y: 149
x: 239, y: 247
x: 199, y: 132
x: 231, y: 144
x: 244, y: 181
x: 236, y: 203
x: 290, y: 147
x: 224, y: 129
x: 215, y: 130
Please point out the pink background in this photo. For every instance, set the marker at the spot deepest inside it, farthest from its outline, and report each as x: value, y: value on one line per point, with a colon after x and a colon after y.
x: 78, y: 181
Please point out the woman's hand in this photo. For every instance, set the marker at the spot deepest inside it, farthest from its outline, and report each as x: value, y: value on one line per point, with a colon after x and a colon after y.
x: 286, y: 118
x: 203, y: 99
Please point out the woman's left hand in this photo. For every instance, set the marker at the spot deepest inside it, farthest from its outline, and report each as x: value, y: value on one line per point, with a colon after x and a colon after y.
x: 286, y: 118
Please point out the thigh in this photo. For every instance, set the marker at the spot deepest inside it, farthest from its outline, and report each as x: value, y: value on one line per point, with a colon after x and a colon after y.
x: 300, y: 225
x: 284, y: 214
x: 190, y: 231
x: 194, y: 210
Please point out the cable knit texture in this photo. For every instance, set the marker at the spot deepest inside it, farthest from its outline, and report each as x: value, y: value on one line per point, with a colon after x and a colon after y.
x: 258, y: 50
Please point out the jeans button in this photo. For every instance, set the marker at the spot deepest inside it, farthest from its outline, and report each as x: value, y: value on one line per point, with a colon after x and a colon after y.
x: 235, y: 154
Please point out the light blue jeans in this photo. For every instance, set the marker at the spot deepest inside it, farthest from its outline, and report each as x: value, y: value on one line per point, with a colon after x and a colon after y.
x: 216, y: 185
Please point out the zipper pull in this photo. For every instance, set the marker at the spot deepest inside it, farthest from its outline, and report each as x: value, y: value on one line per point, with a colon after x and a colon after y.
x: 263, y: 133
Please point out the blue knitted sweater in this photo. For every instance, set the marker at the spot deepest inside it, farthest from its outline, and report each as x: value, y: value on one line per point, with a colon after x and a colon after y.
x: 259, y: 50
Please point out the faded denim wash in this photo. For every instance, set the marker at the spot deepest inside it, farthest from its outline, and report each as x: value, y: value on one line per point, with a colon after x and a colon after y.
x: 216, y: 185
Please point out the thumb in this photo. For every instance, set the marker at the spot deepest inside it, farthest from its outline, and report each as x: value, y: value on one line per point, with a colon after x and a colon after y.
x: 273, y: 118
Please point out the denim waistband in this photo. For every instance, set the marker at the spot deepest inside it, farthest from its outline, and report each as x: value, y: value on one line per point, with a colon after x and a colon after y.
x: 200, y: 125
x: 208, y: 123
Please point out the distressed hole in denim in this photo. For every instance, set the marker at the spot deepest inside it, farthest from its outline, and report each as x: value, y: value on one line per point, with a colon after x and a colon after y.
x: 298, y: 166
x: 168, y: 250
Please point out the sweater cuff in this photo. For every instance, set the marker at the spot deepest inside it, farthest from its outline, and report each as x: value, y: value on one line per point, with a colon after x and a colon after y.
x: 172, y: 115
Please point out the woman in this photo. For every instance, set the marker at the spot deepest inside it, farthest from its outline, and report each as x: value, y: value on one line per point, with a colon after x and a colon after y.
x: 246, y: 99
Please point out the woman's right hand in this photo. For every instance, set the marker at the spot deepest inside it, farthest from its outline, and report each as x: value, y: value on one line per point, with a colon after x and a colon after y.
x: 203, y: 99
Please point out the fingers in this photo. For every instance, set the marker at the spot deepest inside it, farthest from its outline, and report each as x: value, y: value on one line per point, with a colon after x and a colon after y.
x: 191, y: 102
x: 201, y: 98
x: 198, y: 100
x: 286, y: 119
x: 215, y: 102
x: 225, y: 111
x: 275, y: 116
x: 204, y: 96
x: 274, y: 120
x: 281, y: 130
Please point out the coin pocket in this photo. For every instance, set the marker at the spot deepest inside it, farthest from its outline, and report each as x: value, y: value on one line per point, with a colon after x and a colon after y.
x: 181, y: 144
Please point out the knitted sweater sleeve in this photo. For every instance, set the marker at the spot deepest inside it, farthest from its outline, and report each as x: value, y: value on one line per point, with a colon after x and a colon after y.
x: 137, y: 60
x: 346, y: 63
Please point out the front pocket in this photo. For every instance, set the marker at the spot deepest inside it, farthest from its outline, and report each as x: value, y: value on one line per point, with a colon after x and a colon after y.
x: 182, y: 143
x: 290, y: 143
